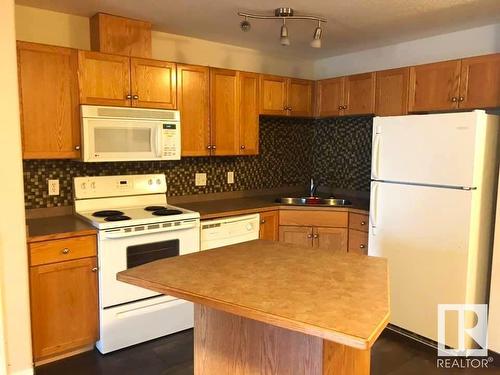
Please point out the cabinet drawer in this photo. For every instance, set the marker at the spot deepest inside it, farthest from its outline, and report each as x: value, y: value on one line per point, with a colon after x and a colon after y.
x: 61, y: 250
x: 314, y: 218
x: 358, y: 242
x: 358, y: 222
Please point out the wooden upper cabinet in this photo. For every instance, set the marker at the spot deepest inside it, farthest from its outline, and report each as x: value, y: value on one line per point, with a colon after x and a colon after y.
x: 269, y: 226
x: 64, y: 306
x: 153, y: 83
x: 330, y: 96
x: 300, y: 97
x: 249, y: 85
x: 224, y: 111
x: 434, y: 87
x: 274, y: 95
x: 48, y: 94
x: 104, y: 79
x: 391, y: 94
x: 480, y: 82
x: 359, y: 94
x: 193, y: 96
x: 332, y: 239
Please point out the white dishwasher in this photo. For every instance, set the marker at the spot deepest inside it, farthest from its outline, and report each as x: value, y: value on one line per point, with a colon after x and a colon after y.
x: 229, y: 231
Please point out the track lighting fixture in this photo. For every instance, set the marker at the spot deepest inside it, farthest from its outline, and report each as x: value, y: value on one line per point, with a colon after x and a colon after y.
x: 285, y: 14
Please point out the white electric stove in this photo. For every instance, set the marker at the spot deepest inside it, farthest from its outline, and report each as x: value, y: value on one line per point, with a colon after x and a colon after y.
x: 135, y: 226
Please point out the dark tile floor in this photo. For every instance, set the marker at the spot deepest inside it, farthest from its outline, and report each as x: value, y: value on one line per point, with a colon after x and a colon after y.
x: 392, y: 354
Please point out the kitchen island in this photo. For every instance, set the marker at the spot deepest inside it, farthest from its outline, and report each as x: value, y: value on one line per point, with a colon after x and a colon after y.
x: 265, y: 307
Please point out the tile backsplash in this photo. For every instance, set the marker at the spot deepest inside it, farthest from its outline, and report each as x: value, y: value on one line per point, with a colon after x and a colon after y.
x: 336, y: 151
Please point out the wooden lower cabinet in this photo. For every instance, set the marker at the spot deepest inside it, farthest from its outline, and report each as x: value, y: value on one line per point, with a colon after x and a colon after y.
x: 358, y: 242
x: 269, y: 226
x: 333, y: 239
x: 296, y: 235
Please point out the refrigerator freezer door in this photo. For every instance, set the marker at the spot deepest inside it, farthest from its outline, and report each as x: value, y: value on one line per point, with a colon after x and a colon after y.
x: 423, y: 232
x: 436, y: 149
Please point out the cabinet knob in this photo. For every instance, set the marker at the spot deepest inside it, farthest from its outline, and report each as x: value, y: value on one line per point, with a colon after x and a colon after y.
x: 363, y: 223
x: 344, y: 107
x: 135, y: 97
x: 316, y: 236
x: 65, y: 250
x: 309, y: 236
x: 77, y: 148
x: 242, y: 147
x: 361, y: 246
x: 461, y: 99
x: 128, y: 96
x: 213, y: 147
x: 341, y: 107
x: 94, y: 269
x: 209, y: 147
x: 454, y: 99
x: 262, y: 221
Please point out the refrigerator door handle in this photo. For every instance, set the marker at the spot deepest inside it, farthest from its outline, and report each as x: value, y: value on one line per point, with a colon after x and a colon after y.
x: 376, y: 156
x: 374, y: 209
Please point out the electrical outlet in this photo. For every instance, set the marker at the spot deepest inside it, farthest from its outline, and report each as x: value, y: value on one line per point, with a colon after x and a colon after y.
x: 53, y: 187
x: 230, y: 177
x: 200, y: 179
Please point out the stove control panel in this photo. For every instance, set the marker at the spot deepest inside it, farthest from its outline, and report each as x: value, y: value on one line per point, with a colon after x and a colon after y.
x: 118, y: 186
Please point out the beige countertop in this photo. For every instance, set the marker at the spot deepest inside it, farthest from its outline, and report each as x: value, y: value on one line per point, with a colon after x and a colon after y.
x: 240, y: 206
x: 56, y: 227
x: 339, y: 297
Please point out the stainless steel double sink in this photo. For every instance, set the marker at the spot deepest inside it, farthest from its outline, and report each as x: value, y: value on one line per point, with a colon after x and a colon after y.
x: 314, y: 201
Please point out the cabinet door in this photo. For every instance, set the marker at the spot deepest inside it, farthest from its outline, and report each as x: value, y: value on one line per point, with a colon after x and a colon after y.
x: 269, y: 226
x: 358, y: 242
x: 333, y: 239
x: 480, y: 82
x: 434, y: 87
x: 296, y: 235
x: 48, y: 93
x: 330, y: 97
x: 153, y: 83
x: 274, y: 95
x: 193, y: 95
x: 103, y: 79
x: 64, y: 306
x: 249, y: 113
x: 391, y: 92
x: 359, y: 97
x: 300, y: 97
x: 224, y: 112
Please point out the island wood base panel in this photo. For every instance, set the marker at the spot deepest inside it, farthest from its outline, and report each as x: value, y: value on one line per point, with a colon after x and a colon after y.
x: 227, y: 344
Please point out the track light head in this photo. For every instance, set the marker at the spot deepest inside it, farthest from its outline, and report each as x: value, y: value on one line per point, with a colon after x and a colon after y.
x: 316, y: 42
x: 284, y: 39
x: 245, y: 25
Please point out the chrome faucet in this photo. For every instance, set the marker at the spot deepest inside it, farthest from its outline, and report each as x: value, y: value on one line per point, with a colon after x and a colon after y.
x: 312, y: 189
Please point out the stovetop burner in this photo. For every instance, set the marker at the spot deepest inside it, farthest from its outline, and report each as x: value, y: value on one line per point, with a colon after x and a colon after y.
x: 107, y: 213
x: 154, y: 208
x: 117, y: 218
x: 166, y: 212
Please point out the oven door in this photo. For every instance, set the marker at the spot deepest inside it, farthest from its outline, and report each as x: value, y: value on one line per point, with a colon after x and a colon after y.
x: 117, y: 254
x: 121, y: 140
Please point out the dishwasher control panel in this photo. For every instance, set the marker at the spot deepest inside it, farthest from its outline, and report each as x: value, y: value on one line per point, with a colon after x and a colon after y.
x: 229, y: 231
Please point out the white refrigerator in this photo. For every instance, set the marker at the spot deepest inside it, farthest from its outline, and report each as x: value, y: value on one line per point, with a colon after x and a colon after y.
x: 431, y: 212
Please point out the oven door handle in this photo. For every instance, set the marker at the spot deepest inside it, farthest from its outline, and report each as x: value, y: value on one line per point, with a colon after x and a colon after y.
x: 120, y: 233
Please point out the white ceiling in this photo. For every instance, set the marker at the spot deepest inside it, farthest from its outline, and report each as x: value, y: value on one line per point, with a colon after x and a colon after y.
x: 353, y: 25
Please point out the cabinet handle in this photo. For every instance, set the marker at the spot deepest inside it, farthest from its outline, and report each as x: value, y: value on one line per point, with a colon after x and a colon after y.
x: 454, y: 99
x: 128, y: 97
x: 65, y: 250
x: 94, y: 269
x: 289, y: 108
x: 363, y: 223
x: 135, y: 97
x: 262, y: 221
x: 77, y: 148
x: 461, y: 99
x: 361, y: 246
x: 242, y: 147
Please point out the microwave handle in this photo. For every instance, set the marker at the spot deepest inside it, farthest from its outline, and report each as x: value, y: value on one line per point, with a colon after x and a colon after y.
x: 158, y: 141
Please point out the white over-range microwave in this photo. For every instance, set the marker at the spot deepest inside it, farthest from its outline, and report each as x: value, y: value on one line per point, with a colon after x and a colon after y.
x: 129, y: 134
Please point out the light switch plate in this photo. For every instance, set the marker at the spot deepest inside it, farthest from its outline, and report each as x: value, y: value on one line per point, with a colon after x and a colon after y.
x: 230, y: 177
x: 200, y: 179
x: 53, y: 187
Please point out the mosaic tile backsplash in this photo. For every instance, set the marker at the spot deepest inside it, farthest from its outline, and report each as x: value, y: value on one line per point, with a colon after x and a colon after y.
x: 334, y: 151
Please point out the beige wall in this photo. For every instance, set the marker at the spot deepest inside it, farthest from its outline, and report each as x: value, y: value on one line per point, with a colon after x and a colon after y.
x: 14, y: 267
x: 43, y: 26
